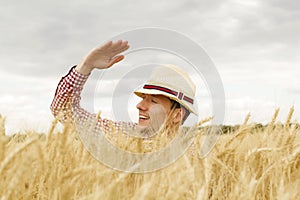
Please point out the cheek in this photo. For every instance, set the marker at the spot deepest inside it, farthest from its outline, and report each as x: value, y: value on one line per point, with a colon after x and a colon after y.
x: 157, y: 116
x: 157, y: 110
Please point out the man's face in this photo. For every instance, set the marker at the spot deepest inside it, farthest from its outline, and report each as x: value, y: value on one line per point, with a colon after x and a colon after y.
x: 153, y: 110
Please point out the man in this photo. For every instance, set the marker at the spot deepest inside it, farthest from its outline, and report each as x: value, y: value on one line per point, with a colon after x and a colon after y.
x: 167, y: 97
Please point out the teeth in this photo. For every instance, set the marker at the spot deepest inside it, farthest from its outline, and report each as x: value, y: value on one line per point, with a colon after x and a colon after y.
x: 143, y: 117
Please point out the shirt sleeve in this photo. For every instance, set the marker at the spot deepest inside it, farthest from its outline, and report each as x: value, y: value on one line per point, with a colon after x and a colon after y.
x: 66, y: 103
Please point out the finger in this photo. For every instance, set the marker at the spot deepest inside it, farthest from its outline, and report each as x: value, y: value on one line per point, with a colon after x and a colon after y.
x: 118, y: 58
x: 119, y: 44
x: 115, y: 60
x: 107, y: 44
x: 104, y: 46
x: 122, y: 47
x: 116, y: 44
x: 115, y: 48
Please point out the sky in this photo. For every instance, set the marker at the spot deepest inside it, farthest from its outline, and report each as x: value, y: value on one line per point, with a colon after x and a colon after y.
x: 254, y: 45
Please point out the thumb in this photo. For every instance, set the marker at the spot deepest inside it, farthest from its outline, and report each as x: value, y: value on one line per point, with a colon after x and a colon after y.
x: 115, y: 60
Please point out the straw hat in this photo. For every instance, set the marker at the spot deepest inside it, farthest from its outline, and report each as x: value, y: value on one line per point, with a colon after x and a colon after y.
x: 172, y: 82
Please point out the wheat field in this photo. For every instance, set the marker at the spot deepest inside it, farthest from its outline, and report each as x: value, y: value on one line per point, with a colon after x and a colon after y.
x: 247, y: 162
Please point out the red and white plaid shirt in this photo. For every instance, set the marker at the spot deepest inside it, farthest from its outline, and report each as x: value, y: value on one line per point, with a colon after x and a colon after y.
x: 66, y: 103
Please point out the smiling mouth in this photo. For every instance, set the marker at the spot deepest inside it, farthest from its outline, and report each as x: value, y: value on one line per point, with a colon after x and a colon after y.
x: 143, y: 117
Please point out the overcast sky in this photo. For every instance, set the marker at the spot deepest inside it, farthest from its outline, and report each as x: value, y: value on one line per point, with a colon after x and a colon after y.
x: 254, y: 44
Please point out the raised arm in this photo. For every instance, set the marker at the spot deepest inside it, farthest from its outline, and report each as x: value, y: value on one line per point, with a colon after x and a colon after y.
x: 103, y: 57
x: 68, y: 93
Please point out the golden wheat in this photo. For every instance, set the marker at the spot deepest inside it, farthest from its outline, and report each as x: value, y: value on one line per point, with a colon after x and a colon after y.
x: 248, y: 163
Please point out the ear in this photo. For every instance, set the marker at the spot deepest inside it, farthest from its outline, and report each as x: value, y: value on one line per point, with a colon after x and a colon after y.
x: 178, y: 115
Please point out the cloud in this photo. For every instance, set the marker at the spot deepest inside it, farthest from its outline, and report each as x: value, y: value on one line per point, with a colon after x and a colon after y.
x: 47, y: 38
x: 254, y: 45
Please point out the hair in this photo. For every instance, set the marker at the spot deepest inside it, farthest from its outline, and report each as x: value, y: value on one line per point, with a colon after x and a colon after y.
x: 175, y: 104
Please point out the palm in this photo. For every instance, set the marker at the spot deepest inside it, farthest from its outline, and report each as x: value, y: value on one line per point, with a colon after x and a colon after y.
x: 107, y: 55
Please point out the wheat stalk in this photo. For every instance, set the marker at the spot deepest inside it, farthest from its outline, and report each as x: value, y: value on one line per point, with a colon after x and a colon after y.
x: 2, y: 125
x: 58, y: 167
x: 288, y: 119
x: 9, y: 158
x: 271, y: 124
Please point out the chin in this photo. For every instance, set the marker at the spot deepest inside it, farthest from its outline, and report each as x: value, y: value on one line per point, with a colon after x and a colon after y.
x: 144, y: 124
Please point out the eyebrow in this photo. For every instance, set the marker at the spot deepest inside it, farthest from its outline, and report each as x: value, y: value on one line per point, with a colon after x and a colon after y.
x: 156, y: 96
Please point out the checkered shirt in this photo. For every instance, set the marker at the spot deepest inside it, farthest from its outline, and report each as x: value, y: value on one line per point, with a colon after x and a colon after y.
x: 66, y: 104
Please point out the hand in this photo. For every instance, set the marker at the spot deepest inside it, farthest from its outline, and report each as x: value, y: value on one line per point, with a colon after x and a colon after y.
x: 103, y: 57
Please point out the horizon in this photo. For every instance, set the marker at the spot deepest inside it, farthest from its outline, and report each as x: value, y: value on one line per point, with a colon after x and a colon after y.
x: 254, y: 46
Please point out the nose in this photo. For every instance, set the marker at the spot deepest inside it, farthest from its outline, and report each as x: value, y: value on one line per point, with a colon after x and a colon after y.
x: 142, y: 105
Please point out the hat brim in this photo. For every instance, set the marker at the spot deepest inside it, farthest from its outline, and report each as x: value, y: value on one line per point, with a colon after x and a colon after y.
x: 139, y: 93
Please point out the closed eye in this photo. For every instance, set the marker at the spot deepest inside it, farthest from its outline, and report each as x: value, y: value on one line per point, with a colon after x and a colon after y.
x: 153, y: 101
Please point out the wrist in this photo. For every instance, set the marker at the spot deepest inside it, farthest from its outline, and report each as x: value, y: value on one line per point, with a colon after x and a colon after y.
x: 84, y: 69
